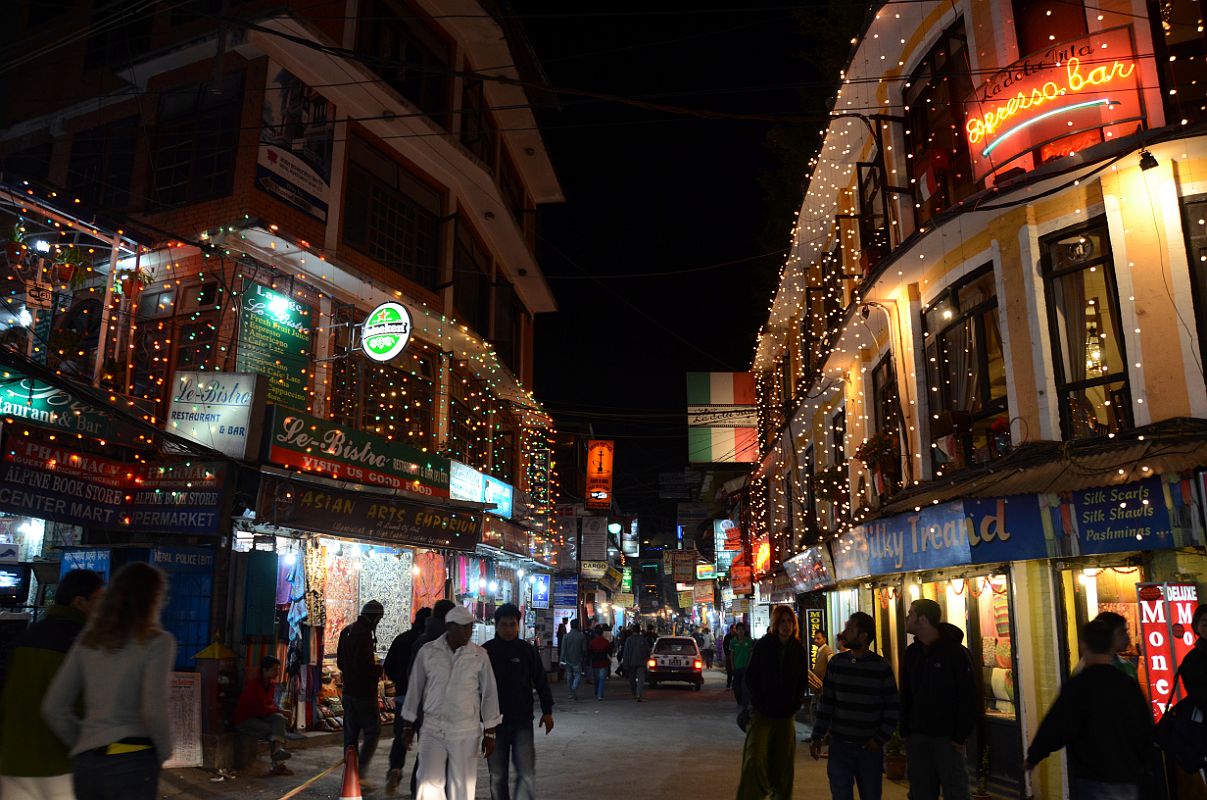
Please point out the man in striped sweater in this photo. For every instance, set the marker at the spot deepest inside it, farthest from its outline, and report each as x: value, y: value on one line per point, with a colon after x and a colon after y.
x: 858, y: 711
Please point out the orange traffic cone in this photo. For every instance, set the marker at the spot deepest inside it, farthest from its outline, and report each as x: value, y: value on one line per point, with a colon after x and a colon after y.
x: 351, y: 788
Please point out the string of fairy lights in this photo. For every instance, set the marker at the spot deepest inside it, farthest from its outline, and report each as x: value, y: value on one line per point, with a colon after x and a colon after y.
x: 814, y: 357
x: 179, y: 306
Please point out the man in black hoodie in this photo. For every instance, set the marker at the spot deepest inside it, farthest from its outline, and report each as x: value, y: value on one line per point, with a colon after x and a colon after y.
x: 777, y: 677
x: 398, y: 669
x: 1102, y: 720
x: 939, y: 704
x: 518, y: 670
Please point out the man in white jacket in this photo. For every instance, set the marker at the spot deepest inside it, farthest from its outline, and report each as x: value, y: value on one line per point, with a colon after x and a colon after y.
x: 452, y: 685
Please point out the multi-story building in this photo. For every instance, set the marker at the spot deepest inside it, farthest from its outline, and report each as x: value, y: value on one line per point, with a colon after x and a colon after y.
x: 205, y: 190
x: 981, y: 379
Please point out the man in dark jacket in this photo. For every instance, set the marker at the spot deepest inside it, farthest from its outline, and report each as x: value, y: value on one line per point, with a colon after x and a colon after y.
x: 356, y: 658
x: 939, y: 705
x: 518, y: 670
x: 777, y: 677
x: 33, y: 762
x: 1102, y: 719
x: 725, y: 655
x: 573, y: 653
x: 398, y: 669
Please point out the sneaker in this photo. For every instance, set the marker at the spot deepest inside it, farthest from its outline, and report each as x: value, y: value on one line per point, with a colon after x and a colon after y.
x: 280, y: 769
x: 393, y: 779
x: 281, y: 755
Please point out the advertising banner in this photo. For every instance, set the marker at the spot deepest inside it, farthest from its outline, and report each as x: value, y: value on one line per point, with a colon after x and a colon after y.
x: 594, y: 570
x: 761, y: 552
x: 30, y: 400
x: 1057, y: 101
x: 684, y: 565
x: 540, y: 590
x: 506, y: 536
x: 611, y: 578
x: 624, y: 600
x: 704, y: 591
x: 565, y: 592
x: 1152, y: 514
x: 599, y: 473
x: 686, y: 600
x: 363, y: 515
x: 595, y: 538
x: 309, y: 444
x: 706, y: 572
x: 741, y: 579
x: 43, y: 479
x: 221, y: 410
x: 1166, y: 614
x: 275, y: 333
x: 467, y: 483
x: 721, y: 418
x: 626, y: 582
x: 815, y: 620
x: 296, y: 137
x: 810, y: 570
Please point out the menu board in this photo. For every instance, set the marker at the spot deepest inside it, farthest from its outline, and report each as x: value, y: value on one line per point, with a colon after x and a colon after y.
x: 275, y: 334
x: 184, y: 717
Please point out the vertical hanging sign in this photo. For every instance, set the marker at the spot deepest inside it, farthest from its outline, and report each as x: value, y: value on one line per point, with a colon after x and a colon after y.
x: 599, y: 473
x: 1166, y: 612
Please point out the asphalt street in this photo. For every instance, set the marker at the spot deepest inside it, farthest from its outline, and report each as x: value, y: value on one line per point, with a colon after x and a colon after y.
x: 678, y: 743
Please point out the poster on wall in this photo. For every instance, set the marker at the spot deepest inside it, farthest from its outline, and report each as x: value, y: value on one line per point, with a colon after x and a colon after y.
x: 184, y: 719
x: 296, y: 136
x: 275, y: 333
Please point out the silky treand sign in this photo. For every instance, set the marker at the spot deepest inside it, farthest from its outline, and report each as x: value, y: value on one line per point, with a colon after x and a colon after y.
x: 1055, y: 102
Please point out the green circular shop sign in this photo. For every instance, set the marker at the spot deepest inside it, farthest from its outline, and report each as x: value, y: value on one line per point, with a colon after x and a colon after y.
x: 386, y: 331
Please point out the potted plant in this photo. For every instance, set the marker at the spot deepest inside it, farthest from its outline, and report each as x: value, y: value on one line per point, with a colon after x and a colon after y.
x: 14, y: 244
x: 831, y: 484
x: 879, y: 454
x: 894, y: 757
x: 133, y: 281
x: 981, y: 792
x: 71, y: 265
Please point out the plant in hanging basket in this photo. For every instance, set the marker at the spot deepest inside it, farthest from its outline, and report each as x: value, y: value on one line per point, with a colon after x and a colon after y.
x: 877, y: 449
x: 72, y: 266
x: 14, y: 244
x: 133, y: 281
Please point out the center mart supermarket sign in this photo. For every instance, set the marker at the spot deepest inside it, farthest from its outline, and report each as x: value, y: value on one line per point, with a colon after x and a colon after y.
x: 309, y: 444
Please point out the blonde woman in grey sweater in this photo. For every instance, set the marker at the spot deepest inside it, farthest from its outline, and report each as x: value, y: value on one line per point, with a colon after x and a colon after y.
x: 120, y: 666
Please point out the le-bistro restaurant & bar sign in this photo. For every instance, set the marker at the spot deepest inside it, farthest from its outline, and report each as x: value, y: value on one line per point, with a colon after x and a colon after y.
x: 1066, y: 98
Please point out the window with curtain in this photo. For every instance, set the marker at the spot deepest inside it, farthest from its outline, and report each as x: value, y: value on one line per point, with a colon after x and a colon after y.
x: 195, y: 140
x: 1087, y: 341
x: 966, y: 374
x: 1194, y: 223
x: 940, y: 168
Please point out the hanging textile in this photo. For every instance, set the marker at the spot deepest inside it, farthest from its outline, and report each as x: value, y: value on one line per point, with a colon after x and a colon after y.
x: 386, y: 578
x: 429, y: 579
x: 315, y: 558
x: 342, y: 595
x: 298, y: 610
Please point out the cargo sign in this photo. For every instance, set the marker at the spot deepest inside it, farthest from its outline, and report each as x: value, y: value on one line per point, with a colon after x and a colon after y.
x: 1166, y: 613
x: 309, y: 444
x: 43, y: 479
x: 363, y: 515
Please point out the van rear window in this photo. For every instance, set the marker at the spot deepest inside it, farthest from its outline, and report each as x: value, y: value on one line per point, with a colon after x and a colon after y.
x: 675, y: 647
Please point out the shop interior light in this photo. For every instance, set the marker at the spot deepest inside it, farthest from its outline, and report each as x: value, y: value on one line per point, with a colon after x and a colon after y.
x: 494, y: 586
x: 481, y: 583
x: 520, y: 573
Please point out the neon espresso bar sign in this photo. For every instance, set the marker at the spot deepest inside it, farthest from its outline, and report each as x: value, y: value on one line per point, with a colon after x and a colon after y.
x: 1053, y: 103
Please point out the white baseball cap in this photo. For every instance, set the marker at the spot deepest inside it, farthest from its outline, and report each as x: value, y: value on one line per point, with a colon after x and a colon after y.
x: 459, y: 615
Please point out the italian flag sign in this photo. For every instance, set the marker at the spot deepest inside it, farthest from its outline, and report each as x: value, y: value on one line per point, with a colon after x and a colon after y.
x: 721, y: 419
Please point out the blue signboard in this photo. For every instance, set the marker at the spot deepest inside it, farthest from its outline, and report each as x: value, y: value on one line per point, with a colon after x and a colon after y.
x: 540, y: 591
x: 1117, y: 519
x: 1007, y: 529
x: 94, y: 559
x: 186, y: 615
x: 565, y: 592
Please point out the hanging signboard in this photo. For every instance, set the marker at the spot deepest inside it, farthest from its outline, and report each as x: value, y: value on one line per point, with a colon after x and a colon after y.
x: 626, y: 582
x: 221, y: 410
x: 594, y: 570
x: 565, y: 592
x: 721, y: 418
x: 741, y: 579
x: 309, y: 444
x: 686, y: 600
x: 624, y: 600
x: 761, y: 551
x: 704, y: 591
x: 706, y: 572
x: 540, y: 590
x: 467, y: 483
x: 1055, y: 102
x: 1166, y: 613
x: 595, y: 538
x: 599, y: 473
x: 814, y: 621
x: 296, y: 137
x: 275, y: 333
x: 386, y: 331
x: 684, y: 565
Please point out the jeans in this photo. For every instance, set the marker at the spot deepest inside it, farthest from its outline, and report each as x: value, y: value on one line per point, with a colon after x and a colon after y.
x: 851, y: 764
x: 270, y: 727
x: 934, y: 765
x: 360, y: 716
x: 574, y: 677
x: 601, y: 676
x: 514, y: 748
x: 398, y: 753
x: 636, y: 677
x: 740, y: 692
x: 1098, y: 790
x: 768, y: 759
x: 707, y: 657
x: 130, y: 776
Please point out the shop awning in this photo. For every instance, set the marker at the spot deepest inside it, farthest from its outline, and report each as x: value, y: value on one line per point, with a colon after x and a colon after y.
x: 337, y: 508
x: 1168, y: 447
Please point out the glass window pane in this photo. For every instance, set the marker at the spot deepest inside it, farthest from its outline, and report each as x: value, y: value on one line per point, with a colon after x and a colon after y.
x: 1099, y: 410
x: 994, y: 357
x: 1089, y: 343
x: 962, y: 367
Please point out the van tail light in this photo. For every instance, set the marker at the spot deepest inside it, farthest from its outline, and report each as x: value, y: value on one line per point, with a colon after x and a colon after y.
x: 651, y: 663
x: 699, y: 664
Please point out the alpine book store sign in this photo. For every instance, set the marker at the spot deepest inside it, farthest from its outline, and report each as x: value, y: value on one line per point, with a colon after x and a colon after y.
x: 1057, y: 101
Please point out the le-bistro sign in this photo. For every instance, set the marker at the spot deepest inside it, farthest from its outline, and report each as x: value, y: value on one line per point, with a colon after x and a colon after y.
x: 220, y: 410
x: 1055, y: 101
x: 309, y: 444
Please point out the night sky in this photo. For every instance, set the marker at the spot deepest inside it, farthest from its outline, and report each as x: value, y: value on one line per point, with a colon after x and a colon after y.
x: 649, y: 192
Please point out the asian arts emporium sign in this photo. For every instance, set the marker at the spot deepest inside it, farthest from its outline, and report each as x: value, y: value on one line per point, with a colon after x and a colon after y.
x: 322, y: 447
